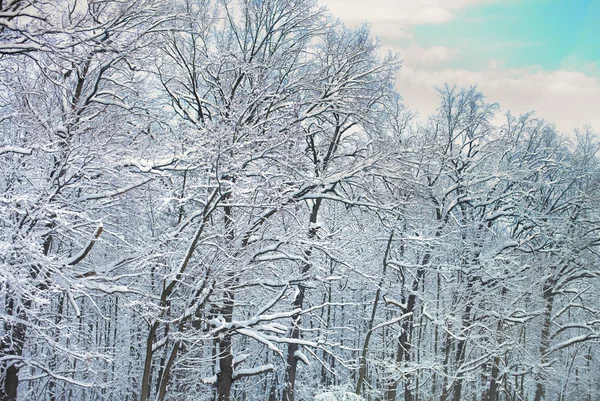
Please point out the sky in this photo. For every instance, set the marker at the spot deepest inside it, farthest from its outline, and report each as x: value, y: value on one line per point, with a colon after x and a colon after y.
x: 541, y: 55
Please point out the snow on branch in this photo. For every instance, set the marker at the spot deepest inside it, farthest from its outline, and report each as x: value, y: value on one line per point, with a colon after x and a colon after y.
x: 239, y: 359
x: 85, y: 251
x: 298, y: 354
x: 572, y: 341
x: 392, y: 321
x: 220, y: 325
x: 210, y: 380
x: 116, y: 192
x: 261, y: 339
x: 239, y: 373
x: 146, y: 166
x: 15, y: 149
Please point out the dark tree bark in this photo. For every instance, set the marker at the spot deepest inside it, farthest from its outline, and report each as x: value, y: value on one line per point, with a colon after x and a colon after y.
x: 548, y: 295
x: 291, y: 359
x: 225, y: 375
x: 13, y: 346
x: 403, y: 352
x: 363, y: 359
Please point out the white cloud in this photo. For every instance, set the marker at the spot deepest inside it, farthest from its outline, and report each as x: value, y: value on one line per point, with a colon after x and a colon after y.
x: 407, y: 13
x: 568, y: 98
x: 426, y: 57
x: 432, y: 15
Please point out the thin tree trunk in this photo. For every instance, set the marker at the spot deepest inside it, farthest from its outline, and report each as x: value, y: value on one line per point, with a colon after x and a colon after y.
x: 447, y: 349
x: 291, y: 359
x: 145, y: 391
x: 325, y: 381
x: 436, y: 334
x: 403, y: 353
x: 225, y: 375
x: 363, y: 358
x: 492, y: 392
x: 462, y: 344
x: 540, y: 390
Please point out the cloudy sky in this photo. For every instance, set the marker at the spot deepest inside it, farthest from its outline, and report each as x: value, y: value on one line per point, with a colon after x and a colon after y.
x: 541, y: 55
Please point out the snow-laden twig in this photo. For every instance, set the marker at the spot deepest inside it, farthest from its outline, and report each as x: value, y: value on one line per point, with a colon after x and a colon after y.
x: 85, y: 251
x: 298, y: 354
x: 239, y: 373
x: 391, y: 321
x: 15, y: 149
x: 114, y: 193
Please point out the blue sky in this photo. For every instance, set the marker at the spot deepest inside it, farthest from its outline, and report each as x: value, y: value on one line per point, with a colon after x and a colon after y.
x: 551, y: 34
x: 527, y: 55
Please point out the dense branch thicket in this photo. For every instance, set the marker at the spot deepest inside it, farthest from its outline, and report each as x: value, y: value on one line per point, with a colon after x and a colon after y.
x: 227, y: 200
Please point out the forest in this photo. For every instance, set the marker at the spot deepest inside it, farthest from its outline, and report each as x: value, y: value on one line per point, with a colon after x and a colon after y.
x: 228, y: 200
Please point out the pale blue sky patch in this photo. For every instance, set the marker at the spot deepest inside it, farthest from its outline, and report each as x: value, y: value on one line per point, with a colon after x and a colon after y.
x: 541, y: 55
x: 552, y: 34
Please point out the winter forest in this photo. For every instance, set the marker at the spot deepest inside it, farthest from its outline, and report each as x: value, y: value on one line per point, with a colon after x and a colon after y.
x: 227, y: 200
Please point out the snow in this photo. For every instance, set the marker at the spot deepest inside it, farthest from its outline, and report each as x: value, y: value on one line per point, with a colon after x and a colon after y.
x: 113, y: 193
x: 298, y: 354
x: 252, y: 371
x: 210, y: 380
x: 15, y: 149
x: 338, y: 394
x: 274, y: 327
x: 239, y: 359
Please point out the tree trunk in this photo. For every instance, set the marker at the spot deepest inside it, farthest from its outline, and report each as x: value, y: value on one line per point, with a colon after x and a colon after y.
x: 403, y: 354
x: 13, y: 347
x: 447, y: 349
x: 225, y: 375
x: 492, y: 392
x: 145, y: 391
x: 363, y: 359
x: 540, y: 390
x: 291, y: 360
x: 461, y: 345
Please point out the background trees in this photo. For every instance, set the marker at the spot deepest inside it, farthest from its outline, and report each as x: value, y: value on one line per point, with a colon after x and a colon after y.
x: 227, y: 200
